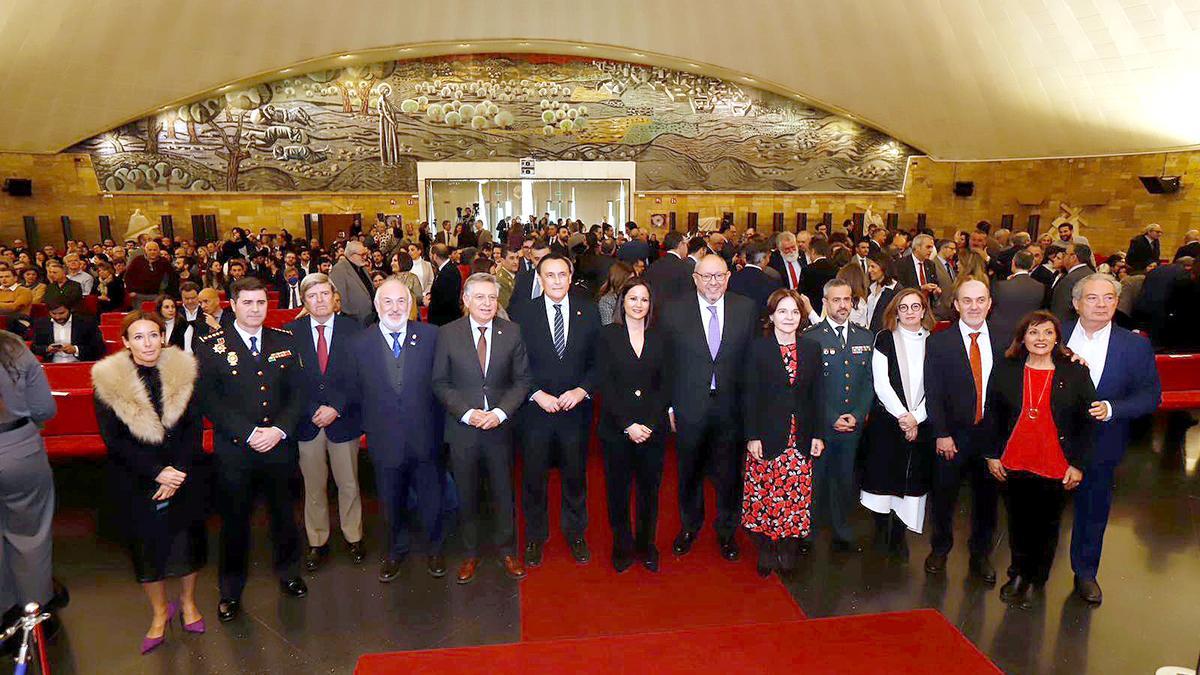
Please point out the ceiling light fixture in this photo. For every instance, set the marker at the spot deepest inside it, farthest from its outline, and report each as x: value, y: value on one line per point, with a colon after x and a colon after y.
x: 464, y: 44
x: 285, y: 71
x: 346, y: 56
x: 639, y: 55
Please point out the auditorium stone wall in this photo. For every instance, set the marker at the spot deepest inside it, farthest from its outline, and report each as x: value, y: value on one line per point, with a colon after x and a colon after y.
x: 1102, y: 195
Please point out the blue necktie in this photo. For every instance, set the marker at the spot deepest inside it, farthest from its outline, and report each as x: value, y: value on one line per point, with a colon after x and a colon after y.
x: 254, y: 346
x: 395, y: 344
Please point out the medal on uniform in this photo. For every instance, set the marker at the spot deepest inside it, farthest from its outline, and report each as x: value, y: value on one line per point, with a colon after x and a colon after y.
x: 219, y: 347
x: 232, y: 358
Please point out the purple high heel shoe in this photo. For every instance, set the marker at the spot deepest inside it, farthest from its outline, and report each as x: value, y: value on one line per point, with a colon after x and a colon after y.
x: 149, y: 644
x: 196, y: 626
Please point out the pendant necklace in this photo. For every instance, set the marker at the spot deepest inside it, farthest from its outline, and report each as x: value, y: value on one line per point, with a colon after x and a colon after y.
x: 1033, y: 407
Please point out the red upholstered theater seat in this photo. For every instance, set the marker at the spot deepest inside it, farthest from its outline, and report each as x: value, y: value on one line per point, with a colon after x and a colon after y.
x: 277, y: 317
x: 91, y: 305
x: 37, y: 310
x: 110, y: 331
x: 1180, y: 376
x: 113, y: 346
x: 69, y: 376
x: 111, y: 319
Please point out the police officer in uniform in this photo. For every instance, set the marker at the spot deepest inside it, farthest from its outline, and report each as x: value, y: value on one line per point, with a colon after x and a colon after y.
x: 847, y: 391
x: 251, y: 392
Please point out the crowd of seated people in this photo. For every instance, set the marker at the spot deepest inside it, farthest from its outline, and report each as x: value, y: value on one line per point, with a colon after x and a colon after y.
x: 782, y: 364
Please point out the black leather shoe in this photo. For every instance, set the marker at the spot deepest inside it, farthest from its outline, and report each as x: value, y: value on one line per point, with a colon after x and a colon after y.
x: 580, y: 552
x: 295, y: 587
x: 314, y: 556
x: 388, y: 569
x: 1009, y: 589
x: 436, y: 564
x: 533, y: 554
x: 804, y: 547
x: 622, y: 561
x: 650, y: 559
x: 358, y: 552
x: 683, y: 542
x: 981, y: 568
x: 935, y: 563
x: 839, y: 546
x: 1088, y: 591
x: 1033, y: 598
x: 228, y: 609
x: 729, y: 549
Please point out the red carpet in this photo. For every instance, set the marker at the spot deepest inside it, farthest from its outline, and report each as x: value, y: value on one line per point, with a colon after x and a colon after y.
x: 918, y: 642
x: 561, y: 599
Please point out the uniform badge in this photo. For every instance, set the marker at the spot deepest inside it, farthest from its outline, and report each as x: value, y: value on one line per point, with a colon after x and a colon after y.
x: 232, y: 358
x: 219, y: 347
x: 279, y: 355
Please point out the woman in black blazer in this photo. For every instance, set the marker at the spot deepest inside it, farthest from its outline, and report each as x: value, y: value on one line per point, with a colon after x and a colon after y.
x: 633, y: 422
x: 783, y: 374
x: 1041, y: 430
x: 174, y: 325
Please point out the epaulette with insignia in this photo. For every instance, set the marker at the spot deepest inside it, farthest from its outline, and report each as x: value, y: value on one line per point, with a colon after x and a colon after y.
x: 213, y: 335
x: 281, y: 330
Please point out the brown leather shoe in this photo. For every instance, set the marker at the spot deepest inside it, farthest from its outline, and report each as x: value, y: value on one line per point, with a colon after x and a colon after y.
x: 466, y: 573
x: 513, y: 568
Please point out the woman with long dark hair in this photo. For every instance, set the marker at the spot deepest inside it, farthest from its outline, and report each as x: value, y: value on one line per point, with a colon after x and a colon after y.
x: 1037, y: 410
x: 149, y: 418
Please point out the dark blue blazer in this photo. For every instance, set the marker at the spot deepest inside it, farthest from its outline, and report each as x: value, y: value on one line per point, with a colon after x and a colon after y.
x: 325, y: 388
x: 950, y: 388
x: 402, y: 427
x: 1130, y: 384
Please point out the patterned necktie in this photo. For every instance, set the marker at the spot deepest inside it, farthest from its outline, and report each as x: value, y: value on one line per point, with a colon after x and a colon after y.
x: 395, y: 345
x: 481, y: 349
x: 560, y: 333
x: 322, y: 349
x: 714, y: 340
x: 254, y: 346
x: 977, y: 374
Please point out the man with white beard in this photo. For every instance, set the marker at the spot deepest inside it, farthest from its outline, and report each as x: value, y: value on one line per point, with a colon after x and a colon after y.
x: 790, y: 258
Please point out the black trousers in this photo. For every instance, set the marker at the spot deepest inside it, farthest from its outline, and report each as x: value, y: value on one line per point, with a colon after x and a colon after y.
x: 626, y: 465
x: 394, y: 483
x: 948, y: 475
x: 1035, y: 506
x: 709, y: 445
x: 492, y: 451
x: 241, y: 479
x: 543, y: 436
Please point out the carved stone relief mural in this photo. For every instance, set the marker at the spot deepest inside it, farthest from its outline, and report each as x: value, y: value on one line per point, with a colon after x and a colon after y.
x: 363, y: 128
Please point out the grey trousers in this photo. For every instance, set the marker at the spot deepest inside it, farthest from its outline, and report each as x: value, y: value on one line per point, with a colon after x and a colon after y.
x: 26, y: 512
x: 317, y: 458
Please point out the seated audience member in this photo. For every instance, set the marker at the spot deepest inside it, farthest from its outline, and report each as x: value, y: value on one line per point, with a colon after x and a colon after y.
x: 149, y: 274
x: 287, y: 284
x: 149, y: 417
x: 15, y: 299
x: 77, y: 272
x: 61, y: 290
x: 64, y: 337
x: 214, y: 317
x: 1041, y: 436
x: 110, y: 290
x: 32, y: 279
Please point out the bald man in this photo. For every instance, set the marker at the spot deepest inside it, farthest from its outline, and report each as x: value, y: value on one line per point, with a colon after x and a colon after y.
x: 149, y: 274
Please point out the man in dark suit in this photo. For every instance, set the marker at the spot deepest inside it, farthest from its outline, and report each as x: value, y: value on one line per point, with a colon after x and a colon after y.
x: 390, y: 378
x: 251, y: 391
x: 445, y: 236
x: 819, y: 271
x: 1151, y: 308
x: 328, y: 431
x: 64, y: 337
x: 481, y: 375
x: 752, y: 282
x: 287, y: 284
x: 790, y: 258
x: 527, y: 285
x: 707, y: 338
x: 1190, y: 248
x: 958, y: 363
x: 560, y: 339
x: 446, y: 292
x: 591, y: 268
x: 670, y: 276
x: 636, y: 248
x: 1015, y: 296
x: 212, y: 315
x: 1047, y: 272
x: 1074, y: 266
x: 1000, y: 266
x: 917, y: 269
x: 1127, y: 384
x: 1144, y: 248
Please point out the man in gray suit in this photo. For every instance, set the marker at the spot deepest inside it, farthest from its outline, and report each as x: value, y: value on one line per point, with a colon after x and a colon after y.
x: 1016, y: 296
x: 1074, y: 265
x: 481, y: 375
x: 349, y: 276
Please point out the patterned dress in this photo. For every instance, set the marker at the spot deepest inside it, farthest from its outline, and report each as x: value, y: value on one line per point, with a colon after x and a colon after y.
x: 777, y: 498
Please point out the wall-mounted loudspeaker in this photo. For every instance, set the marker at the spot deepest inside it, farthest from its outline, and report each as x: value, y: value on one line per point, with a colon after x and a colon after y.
x: 18, y: 187
x: 964, y: 188
x: 1160, y: 185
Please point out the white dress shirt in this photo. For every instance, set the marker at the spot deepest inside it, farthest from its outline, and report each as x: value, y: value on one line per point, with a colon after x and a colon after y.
x: 487, y: 333
x: 387, y: 332
x: 705, y: 314
x: 294, y: 294
x: 1094, y: 350
x: 566, y: 314
x: 312, y: 323
x: 190, y: 331
x: 985, y: 353
x: 62, y: 336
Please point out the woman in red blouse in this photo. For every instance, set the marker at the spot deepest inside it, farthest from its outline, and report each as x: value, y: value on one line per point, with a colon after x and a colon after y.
x: 1037, y: 408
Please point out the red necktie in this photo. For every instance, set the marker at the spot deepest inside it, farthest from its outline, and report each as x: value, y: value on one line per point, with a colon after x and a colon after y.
x: 921, y: 273
x: 322, y: 349
x: 791, y: 273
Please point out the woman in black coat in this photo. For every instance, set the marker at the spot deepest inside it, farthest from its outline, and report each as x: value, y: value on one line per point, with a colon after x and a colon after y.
x: 1037, y: 414
x: 150, y: 421
x: 633, y: 422
x: 783, y: 375
x: 897, y: 450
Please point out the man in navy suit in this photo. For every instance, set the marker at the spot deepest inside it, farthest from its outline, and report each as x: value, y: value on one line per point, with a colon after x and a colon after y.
x: 1122, y: 368
x: 752, y: 282
x: 389, y: 381
x: 328, y: 430
x: 560, y: 330
x: 671, y: 275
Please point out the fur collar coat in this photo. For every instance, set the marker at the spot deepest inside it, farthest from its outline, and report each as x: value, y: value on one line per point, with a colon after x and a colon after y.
x: 116, y: 383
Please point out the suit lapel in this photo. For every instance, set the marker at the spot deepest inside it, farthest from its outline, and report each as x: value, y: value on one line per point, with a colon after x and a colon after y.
x: 1110, y: 357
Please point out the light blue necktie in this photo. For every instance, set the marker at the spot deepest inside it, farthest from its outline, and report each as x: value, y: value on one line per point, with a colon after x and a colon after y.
x: 395, y: 344
x: 714, y: 340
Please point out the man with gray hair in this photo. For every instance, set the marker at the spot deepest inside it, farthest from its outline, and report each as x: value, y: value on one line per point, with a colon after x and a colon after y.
x: 349, y: 275
x: 1190, y: 248
x: 916, y: 269
x: 1145, y: 248
x: 329, y: 428
x: 481, y: 375
x: 1122, y: 367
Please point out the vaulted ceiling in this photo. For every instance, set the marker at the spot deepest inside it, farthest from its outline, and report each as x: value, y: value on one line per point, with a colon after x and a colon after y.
x: 959, y: 79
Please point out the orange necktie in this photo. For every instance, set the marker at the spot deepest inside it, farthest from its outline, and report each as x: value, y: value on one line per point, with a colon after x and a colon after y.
x: 977, y: 373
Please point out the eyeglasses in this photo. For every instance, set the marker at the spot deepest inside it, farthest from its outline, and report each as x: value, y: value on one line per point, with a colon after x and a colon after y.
x: 715, y: 276
x: 915, y: 307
